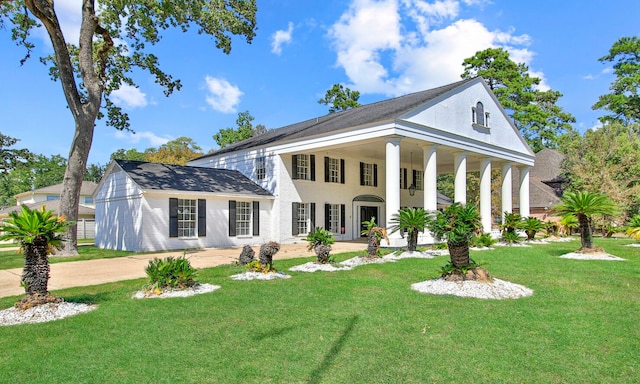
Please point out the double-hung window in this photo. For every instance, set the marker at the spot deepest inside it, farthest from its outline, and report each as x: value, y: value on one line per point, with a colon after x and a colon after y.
x: 303, y: 218
x: 303, y: 167
x: 261, y: 168
x: 334, y: 218
x: 369, y: 174
x: 243, y: 218
x: 187, y: 218
x: 333, y: 170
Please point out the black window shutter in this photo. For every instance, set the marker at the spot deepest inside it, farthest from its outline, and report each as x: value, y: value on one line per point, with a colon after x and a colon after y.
x: 361, y: 173
x: 256, y: 218
x: 232, y: 217
x: 202, y: 217
x: 327, y: 213
x: 375, y: 175
x: 294, y: 219
x: 312, y: 159
x: 342, y: 218
x: 341, y: 171
x: 404, y: 178
x: 294, y: 167
x: 173, y: 217
x: 326, y: 169
x: 413, y: 180
x: 313, y: 217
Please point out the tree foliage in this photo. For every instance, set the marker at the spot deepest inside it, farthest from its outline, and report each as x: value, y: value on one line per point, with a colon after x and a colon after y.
x: 607, y: 161
x: 340, y: 98
x: 115, y: 40
x: 12, y: 158
x: 178, y: 151
x: 244, y: 130
x: 535, y: 113
x: 624, y: 100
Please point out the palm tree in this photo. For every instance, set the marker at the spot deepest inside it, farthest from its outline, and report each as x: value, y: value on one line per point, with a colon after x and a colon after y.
x: 412, y: 221
x: 531, y: 226
x: 512, y: 222
x: 583, y: 205
x: 320, y: 242
x: 633, y: 228
x: 567, y: 224
x: 38, y: 232
x: 456, y: 224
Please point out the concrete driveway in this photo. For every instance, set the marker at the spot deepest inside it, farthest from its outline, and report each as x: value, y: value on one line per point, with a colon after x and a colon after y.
x: 93, y: 272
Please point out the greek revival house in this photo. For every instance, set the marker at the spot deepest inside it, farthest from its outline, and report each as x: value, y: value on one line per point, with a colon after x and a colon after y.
x: 333, y: 171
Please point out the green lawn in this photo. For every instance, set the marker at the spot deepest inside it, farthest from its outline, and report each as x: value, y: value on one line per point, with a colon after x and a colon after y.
x: 14, y: 259
x: 360, y: 326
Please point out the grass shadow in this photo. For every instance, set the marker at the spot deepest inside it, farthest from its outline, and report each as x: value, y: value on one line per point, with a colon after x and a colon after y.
x: 316, y: 375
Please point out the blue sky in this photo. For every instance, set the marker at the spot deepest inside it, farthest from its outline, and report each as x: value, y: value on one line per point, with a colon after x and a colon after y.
x: 382, y: 48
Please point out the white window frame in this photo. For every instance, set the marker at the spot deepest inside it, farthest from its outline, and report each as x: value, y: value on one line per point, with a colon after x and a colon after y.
x: 304, y: 218
x: 261, y: 168
x: 368, y: 174
x: 334, y: 170
x: 187, y: 218
x: 303, y: 167
x: 418, y: 181
x: 244, y: 218
x: 334, y: 218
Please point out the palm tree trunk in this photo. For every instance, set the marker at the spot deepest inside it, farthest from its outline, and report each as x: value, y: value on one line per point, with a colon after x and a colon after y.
x: 35, y: 275
x: 459, y: 253
x: 412, y: 241
x: 586, y: 237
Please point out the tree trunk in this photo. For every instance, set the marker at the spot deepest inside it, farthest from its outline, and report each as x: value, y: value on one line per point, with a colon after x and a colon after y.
x: 373, y: 243
x: 459, y: 253
x: 35, y: 275
x: 322, y: 253
x: 72, y: 183
x: 412, y: 241
x: 585, y: 231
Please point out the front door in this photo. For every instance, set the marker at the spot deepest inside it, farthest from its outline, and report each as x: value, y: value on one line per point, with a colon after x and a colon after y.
x: 366, y: 214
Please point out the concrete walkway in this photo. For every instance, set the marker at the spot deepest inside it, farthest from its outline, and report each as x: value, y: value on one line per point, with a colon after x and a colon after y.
x: 93, y: 272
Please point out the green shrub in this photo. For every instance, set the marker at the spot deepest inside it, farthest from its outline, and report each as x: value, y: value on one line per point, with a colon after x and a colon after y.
x: 482, y: 240
x: 171, y: 272
x: 510, y: 237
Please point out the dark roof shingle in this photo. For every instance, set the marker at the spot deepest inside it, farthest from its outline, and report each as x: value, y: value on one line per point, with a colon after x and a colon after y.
x: 167, y: 177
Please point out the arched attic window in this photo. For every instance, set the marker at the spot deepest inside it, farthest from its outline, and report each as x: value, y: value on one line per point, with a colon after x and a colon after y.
x: 479, y: 114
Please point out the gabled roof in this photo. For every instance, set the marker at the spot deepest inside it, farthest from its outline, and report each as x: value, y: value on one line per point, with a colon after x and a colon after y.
x: 167, y: 177
x: 386, y: 110
x: 88, y: 187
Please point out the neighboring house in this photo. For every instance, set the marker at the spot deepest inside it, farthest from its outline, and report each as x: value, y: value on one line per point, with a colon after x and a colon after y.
x: 49, y: 197
x: 546, y: 183
x: 333, y: 171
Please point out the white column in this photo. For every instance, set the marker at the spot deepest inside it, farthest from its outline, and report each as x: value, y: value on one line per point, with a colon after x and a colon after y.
x: 430, y: 177
x: 507, y: 199
x: 485, y: 194
x: 524, y: 192
x: 392, y: 184
x: 460, y: 180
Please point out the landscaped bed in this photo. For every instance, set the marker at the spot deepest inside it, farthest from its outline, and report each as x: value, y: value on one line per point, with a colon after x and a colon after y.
x: 365, y: 325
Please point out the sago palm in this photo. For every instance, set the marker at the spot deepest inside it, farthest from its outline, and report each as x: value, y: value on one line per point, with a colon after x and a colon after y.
x: 38, y: 231
x: 412, y: 221
x: 633, y: 228
x: 456, y: 224
x: 531, y: 226
x: 583, y: 205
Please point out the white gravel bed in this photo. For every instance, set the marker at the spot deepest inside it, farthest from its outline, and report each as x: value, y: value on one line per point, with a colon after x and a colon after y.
x: 195, y: 290
x: 43, y: 313
x: 515, y: 245
x: 357, y: 261
x: 591, y: 256
x: 633, y: 245
x: 498, y: 289
x: 481, y: 249
x: 250, y: 275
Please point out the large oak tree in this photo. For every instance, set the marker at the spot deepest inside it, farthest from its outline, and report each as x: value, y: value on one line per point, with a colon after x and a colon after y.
x: 115, y: 39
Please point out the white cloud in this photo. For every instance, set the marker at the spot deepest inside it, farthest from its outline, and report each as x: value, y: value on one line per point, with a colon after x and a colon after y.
x: 129, y: 97
x: 135, y: 138
x: 399, y: 46
x: 280, y: 38
x: 222, y: 96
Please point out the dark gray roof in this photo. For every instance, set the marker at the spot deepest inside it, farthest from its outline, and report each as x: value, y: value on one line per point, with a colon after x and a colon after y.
x: 547, y: 165
x: 366, y: 114
x: 167, y: 177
